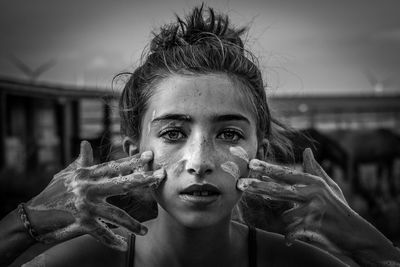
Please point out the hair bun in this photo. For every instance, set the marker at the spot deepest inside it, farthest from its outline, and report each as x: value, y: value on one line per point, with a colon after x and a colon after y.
x: 196, y: 29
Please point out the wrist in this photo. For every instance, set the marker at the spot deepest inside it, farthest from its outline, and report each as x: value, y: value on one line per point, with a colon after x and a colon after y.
x: 26, y: 222
x: 14, y: 239
x: 382, y: 254
x: 48, y: 222
x: 18, y: 228
x: 390, y: 257
x: 369, y: 247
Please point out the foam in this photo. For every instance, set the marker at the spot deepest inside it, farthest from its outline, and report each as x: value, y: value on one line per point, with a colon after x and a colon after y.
x: 231, y: 168
x: 239, y: 152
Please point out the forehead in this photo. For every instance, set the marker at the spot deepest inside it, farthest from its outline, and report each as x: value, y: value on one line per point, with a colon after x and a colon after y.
x: 199, y: 95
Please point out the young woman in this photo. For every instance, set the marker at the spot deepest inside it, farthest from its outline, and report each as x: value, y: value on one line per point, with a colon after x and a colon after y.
x: 197, y: 130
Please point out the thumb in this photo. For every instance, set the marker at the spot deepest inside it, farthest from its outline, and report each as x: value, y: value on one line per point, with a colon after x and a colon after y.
x: 311, y: 166
x: 309, y: 162
x: 85, y: 158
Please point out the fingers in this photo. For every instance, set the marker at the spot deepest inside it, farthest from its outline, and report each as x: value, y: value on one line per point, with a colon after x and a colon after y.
x: 290, y: 215
x: 305, y: 218
x: 121, y: 166
x: 85, y: 158
x: 123, y: 184
x: 103, y: 234
x: 311, y: 166
x: 309, y: 236
x: 119, y: 217
x: 290, y: 237
x: 283, y: 173
x: 311, y: 214
x: 71, y: 231
x: 270, y: 189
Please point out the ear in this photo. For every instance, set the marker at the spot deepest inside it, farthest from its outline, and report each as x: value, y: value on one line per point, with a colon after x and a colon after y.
x: 130, y: 146
x: 263, y: 148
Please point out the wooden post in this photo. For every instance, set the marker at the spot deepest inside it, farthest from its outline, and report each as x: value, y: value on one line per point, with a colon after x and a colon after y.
x: 3, y: 120
x: 106, y: 136
x: 75, y: 128
x: 30, y: 142
x: 60, y: 121
x: 312, y: 118
x: 68, y: 131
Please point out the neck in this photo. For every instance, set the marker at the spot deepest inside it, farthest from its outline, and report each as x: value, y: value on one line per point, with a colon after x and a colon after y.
x: 184, y: 246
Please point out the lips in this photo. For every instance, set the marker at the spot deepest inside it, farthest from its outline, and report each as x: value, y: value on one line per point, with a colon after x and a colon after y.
x: 201, y: 190
x: 200, y: 195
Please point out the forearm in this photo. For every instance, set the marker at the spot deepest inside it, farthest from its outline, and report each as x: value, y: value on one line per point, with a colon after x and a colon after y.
x: 14, y: 238
x: 382, y: 254
x: 388, y: 258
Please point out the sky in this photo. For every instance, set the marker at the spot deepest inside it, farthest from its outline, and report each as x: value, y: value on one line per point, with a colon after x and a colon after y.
x: 304, y: 46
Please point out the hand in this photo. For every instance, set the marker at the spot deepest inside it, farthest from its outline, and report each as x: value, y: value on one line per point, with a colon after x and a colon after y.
x: 74, y: 203
x: 320, y: 213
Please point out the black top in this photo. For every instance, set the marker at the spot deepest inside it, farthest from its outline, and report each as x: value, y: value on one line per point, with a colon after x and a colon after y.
x: 252, y: 249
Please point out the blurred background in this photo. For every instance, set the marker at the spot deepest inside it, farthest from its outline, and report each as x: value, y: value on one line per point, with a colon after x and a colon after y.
x: 331, y: 70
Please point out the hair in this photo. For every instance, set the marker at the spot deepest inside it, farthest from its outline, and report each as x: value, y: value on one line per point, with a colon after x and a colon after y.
x: 204, y: 42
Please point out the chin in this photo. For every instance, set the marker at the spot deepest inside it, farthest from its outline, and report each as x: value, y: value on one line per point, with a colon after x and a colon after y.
x: 194, y: 219
x: 193, y: 213
x: 198, y: 220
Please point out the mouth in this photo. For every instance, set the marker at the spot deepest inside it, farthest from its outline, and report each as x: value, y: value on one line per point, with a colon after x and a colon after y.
x: 202, y: 190
x: 200, y: 194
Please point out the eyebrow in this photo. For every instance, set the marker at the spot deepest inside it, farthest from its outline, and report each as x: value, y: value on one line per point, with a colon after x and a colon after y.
x: 230, y: 117
x: 214, y: 118
x: 173, y: 117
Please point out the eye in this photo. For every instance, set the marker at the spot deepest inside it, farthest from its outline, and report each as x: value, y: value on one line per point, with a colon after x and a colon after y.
x: 172, y: 135
x: 230, y: 135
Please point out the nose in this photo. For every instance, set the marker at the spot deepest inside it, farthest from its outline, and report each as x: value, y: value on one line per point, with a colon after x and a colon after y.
x: 200, y: 159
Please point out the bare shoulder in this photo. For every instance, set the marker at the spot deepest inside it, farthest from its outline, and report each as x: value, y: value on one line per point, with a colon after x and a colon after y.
x: 82, y: 251
x: 272, y: 249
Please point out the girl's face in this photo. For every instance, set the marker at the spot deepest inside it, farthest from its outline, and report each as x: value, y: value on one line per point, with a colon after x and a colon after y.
x: 202, y: 130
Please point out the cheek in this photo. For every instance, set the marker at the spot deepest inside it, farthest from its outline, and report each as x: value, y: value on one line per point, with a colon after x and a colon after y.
x: 168, y: 158
x: 162, y: 155
x: 232, y: 169
x: 233, y: 162
x: 172, y: 162
x: 236, y: 164
x: 240, y: 152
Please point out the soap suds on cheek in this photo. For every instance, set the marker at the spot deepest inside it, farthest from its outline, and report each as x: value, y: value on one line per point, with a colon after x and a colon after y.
x: 161, y: 160
x: 173, y: 163
x: 174, y: 166
x: 178, y: 167
x: 232, y: 168
x: 239, y: 152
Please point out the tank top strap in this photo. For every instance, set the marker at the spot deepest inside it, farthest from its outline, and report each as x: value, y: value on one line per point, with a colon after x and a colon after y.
x: 130, y: 254
x: 252, y: 246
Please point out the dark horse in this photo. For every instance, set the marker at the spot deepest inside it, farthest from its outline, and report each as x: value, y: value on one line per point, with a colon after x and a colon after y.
x: 326, y: 150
